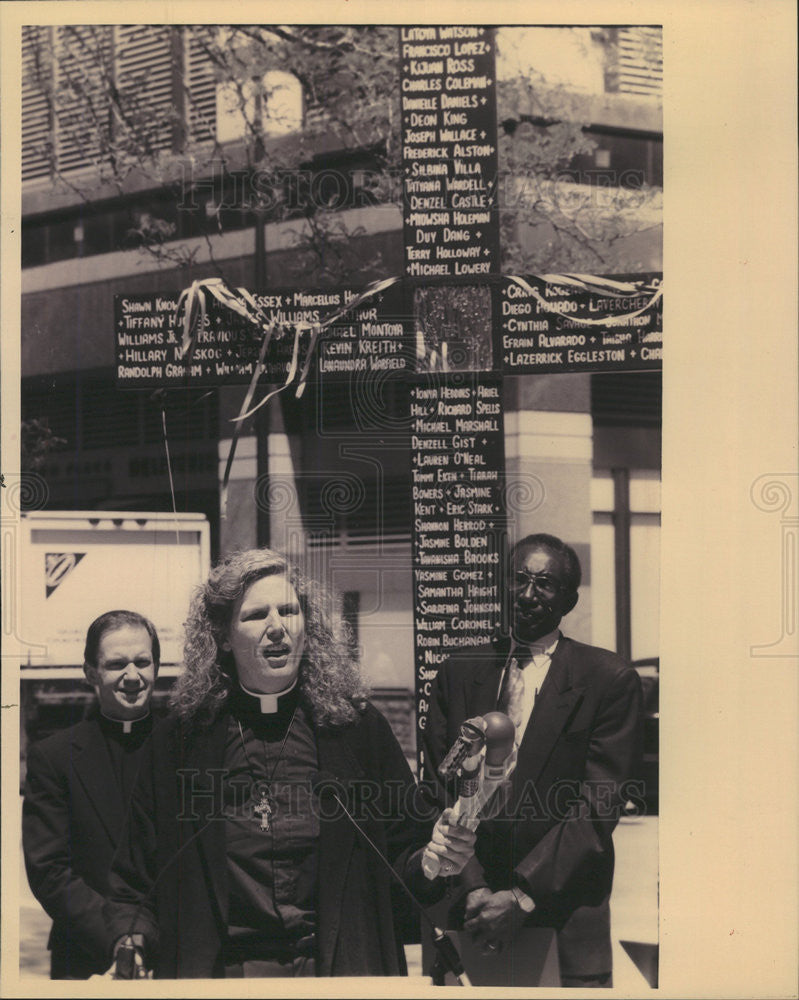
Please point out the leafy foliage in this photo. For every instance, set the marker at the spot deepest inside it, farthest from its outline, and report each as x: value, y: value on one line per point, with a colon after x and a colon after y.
x: 36, y: 443
x: 349, y: 80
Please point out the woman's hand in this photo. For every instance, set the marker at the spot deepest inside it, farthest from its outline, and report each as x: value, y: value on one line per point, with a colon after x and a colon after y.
x: 450, y: 847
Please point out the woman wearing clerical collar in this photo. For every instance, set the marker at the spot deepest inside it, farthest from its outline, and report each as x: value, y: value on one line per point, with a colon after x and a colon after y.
x: 232, y: 864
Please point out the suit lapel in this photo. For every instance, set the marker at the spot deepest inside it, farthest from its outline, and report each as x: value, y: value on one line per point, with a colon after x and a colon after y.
x: 554, y: 706
x: 91, y: 763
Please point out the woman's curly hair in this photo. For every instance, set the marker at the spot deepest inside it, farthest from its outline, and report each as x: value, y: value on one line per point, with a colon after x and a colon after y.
x: 329, y: 678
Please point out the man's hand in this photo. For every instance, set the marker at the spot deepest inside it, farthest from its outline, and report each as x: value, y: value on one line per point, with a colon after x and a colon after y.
x: 492, y: 918
x: 475, y: 900
x: 451, y: 845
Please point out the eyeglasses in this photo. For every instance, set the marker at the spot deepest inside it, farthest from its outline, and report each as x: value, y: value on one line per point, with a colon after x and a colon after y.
x: 542, y: 583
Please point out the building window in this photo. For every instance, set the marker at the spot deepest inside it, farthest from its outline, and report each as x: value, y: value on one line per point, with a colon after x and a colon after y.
x: 96, y: 93
x: 88, y: 412
x: 271, y: 106
x: 93, y: 93
x: 625, y: 536
x: 625, y: 557
x: 636, y: 63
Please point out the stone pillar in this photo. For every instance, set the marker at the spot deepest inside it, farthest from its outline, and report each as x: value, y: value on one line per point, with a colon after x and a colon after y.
x: 548, y: 456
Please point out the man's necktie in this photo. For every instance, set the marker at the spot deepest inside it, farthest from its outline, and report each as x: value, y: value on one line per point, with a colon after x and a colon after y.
x: 512, y: 694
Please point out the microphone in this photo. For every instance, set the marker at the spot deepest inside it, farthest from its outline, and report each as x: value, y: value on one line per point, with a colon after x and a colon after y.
x: 470, y: 741
x: 126, y: 961
x: 326, y: 783
x: 484, y: 756
x: 500, y: 736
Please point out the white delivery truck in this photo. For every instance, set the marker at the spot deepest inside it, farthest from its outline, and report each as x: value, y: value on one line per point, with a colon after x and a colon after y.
x: 75, y: 565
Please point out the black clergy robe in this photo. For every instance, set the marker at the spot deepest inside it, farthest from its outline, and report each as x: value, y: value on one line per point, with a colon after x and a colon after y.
x: 77, y: 789
x: 170, y: 877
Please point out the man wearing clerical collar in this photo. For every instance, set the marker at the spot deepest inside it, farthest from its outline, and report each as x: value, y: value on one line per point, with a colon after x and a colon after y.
x: 546, y: 860
x: 231, y: 865
x: 78, y: 786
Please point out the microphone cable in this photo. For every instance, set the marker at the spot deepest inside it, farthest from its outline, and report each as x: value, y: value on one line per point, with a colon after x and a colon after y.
x: 444, y: 945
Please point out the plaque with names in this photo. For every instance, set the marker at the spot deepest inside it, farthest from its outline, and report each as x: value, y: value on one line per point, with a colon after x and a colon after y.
x: 372, y: 337
x: 449, y: 151
x: 459, y: 521
x: 576, y: 326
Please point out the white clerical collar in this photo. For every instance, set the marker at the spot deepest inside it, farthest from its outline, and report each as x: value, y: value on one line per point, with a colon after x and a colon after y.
x: 126, y: 725
x: 269, y: 703
x: 544, y: 644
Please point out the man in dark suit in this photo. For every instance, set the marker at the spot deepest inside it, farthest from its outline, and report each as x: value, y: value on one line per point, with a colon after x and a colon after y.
x: 546, y: 860
x: 77, y: 791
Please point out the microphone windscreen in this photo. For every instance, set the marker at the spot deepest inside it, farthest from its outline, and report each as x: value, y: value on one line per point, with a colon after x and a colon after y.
x: 499, y: 734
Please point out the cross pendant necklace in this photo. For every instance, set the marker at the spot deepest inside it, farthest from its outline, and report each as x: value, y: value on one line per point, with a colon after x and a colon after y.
x: 264, y: 809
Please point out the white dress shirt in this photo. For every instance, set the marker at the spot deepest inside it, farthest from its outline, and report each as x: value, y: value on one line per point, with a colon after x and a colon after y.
x: 535, y: 669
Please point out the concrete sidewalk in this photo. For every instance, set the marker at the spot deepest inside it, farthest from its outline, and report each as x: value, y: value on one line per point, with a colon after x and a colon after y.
x: 634, y: 903
x: 34, y: 929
